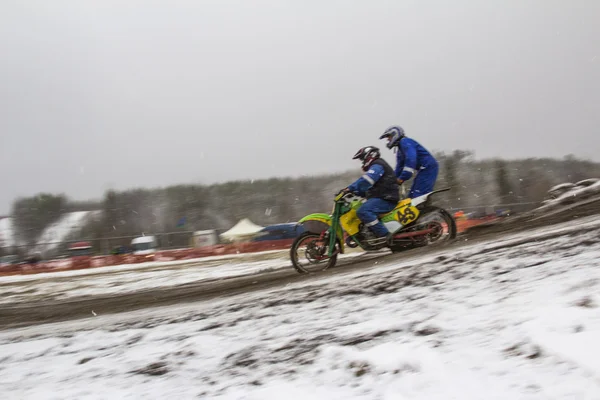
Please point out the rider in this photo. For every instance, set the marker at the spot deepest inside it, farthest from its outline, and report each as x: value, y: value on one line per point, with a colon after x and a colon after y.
x: 411, y: 159
x: 378, y: 185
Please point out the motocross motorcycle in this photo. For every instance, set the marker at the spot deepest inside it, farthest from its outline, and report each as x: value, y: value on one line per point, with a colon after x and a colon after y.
x: 413, y: 223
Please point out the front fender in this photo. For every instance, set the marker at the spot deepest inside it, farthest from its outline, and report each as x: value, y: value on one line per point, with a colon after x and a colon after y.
x: 320, y: 222
x: 316, y: 223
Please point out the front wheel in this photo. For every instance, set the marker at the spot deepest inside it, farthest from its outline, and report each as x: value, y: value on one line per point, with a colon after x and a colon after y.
x: 309, y: 253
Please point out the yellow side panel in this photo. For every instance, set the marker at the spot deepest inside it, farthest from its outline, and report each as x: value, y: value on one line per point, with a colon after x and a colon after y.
x: 403, y: 202
x: 350, y: 222
x: 400, y: 207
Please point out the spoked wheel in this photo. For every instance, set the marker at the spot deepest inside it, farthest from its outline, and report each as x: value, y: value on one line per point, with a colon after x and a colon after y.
x: 441, y: 224
x: 309, y: 253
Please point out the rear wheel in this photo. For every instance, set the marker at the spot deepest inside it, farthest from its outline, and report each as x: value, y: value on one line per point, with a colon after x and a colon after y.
x: 441, y: 225
x: 309, y: 253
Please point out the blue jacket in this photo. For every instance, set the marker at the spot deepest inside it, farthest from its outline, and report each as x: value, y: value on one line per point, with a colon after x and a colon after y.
x: 411, y: 157
x: 378, y: 182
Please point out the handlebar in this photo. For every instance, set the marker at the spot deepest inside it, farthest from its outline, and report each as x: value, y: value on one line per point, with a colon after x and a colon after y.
x: 346, y: 196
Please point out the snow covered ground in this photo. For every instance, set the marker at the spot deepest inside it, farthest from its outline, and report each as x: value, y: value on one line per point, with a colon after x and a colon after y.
x: 144, y: 267
x: 120, y: 279
x: 125, y: 282
x: 511, y: 319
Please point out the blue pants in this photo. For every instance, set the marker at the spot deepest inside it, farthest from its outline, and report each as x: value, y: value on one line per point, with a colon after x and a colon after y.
x: 368, y: 212
x: 424, y: 181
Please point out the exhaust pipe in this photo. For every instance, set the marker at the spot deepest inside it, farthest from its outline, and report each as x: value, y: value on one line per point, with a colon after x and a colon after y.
x: 413, y: 234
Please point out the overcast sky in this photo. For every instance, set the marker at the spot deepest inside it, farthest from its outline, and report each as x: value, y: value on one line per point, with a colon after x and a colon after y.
x: 115, y: 94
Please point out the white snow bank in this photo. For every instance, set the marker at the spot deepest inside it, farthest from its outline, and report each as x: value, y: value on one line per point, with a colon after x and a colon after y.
x: 574, y: 195
x: 57, y: 232
x: 7, y: 236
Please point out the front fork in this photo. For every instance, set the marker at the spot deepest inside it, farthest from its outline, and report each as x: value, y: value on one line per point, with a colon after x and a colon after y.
x: 335, y: 221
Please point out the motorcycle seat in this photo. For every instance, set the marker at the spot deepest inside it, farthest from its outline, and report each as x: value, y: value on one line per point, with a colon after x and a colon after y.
x: 400, y: 204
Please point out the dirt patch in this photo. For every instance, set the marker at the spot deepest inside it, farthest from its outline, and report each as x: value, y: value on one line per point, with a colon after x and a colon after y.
x: 586, y: 302
x: 427, y: 330
x: 524, y: 349
x: 154, y: 369
x: 368, y: 337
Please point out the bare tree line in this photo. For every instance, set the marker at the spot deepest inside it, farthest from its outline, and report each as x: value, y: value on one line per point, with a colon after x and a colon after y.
x: 474, y: 183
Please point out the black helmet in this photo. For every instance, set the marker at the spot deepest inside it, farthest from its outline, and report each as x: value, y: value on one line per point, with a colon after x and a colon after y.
x: 367, y: 155
x: 393, y: 134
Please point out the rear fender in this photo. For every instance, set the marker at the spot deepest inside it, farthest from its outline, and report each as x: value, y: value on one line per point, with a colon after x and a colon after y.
x: 422, y: 200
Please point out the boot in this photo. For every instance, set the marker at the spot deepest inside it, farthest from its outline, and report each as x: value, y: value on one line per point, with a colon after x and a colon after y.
x: 380, y: 242
x: 389, y: 238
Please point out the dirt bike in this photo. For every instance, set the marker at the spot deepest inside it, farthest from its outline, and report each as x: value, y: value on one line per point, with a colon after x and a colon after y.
x: 413, y: 223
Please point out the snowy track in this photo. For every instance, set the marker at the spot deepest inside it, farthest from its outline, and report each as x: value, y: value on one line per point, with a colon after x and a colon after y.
x: 516, y: 318
x: 71, y: 297
x: 44, y: 298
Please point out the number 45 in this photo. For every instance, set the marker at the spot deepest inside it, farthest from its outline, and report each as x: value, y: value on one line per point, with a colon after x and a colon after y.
x: 406, y: 215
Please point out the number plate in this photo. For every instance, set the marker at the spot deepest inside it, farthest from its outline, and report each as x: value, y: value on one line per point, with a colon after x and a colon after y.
x: 407, y: 214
